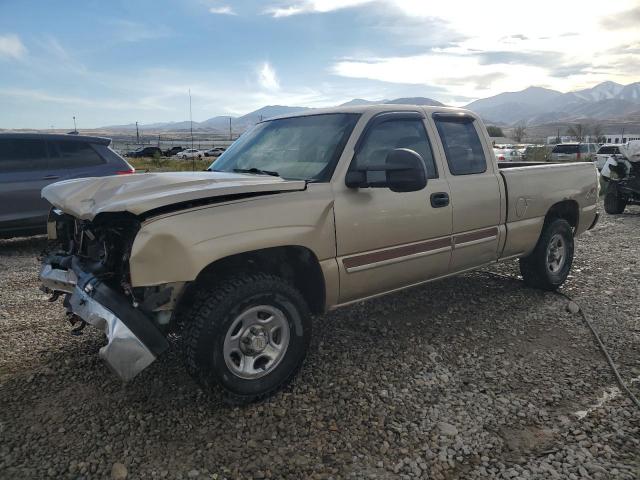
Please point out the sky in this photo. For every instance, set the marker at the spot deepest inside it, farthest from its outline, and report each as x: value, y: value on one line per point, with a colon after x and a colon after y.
x: 110, y: 62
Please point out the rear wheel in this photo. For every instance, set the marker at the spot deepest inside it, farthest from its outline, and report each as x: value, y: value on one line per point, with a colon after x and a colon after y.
x: 614, y: 203
x: 248, y: 334
x: 548, y: 266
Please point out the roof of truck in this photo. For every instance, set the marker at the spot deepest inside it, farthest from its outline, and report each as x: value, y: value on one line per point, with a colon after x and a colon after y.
x: 361, y: 109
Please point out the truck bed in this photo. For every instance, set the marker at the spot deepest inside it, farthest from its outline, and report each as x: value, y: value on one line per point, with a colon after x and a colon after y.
x: 533, y: 188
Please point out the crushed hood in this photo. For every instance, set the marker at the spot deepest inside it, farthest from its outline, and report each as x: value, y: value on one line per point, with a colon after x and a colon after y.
x: 85, y: 198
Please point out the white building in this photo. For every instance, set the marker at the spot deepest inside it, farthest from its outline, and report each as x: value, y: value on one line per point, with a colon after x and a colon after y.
x: 608, y: 138
x: 621, y: 138
x: 553, y: 139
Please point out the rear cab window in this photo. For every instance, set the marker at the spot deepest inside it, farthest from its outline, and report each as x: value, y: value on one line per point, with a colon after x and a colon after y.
x: 567, y: 149
x: 608, y: 150
x: 22, y: 155
x: 73, y: 154
x: 462, y: 147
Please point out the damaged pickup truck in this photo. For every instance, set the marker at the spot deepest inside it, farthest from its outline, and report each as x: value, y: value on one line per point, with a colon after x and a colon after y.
x: 303, y: 214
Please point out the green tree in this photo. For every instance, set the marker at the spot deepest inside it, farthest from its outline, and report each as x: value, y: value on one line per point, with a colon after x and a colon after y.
x: 494, y: 131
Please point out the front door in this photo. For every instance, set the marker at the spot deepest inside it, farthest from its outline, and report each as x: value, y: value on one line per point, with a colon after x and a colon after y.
x: 387, y: 240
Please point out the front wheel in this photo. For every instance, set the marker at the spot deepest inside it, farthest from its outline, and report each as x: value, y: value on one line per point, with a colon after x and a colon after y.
x: 248, y: 334
x: 548, y: 266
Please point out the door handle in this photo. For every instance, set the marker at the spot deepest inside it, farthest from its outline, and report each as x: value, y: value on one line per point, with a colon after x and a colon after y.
x: 51, y: 177
x: 439, y: 199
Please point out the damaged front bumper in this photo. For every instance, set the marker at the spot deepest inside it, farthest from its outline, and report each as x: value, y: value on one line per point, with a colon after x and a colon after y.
x: 133, y: 342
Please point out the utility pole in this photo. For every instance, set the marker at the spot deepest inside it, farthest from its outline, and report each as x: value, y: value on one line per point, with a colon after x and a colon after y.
x: 193, y: 159
x: 230, y: 135
x: 137, y: 133
x: 75, y: 129
x: 191, y: 118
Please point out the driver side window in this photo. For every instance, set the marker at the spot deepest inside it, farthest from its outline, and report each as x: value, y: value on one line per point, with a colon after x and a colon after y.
x: 387, y: 136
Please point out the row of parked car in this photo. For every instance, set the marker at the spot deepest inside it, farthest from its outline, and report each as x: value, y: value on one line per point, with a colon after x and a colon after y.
x: 177, y: 151
x: 562, y: 152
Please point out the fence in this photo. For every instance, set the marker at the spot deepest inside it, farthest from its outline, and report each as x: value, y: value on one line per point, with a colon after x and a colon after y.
x: 126, y: 143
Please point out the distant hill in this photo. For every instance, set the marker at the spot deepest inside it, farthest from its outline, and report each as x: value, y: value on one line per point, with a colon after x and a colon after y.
x: 416, y: 101
x: 534, y: 106
x: 356, y: 102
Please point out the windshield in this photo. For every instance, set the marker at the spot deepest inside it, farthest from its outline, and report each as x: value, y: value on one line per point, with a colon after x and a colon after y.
x: 300, y: 148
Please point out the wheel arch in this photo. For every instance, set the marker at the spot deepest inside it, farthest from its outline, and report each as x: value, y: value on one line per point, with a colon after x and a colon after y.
x: 568, y: 210
x: 295, y: 263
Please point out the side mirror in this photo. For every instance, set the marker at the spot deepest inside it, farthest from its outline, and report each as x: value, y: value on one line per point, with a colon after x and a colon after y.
x: 405, y: 171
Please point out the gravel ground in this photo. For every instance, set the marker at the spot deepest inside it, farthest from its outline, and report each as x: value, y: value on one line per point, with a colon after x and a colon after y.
x: 473, y: 377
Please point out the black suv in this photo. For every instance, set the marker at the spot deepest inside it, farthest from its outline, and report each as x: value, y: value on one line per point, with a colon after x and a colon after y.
x: 145, y: 152
x: 172, y: 151
x: 31, y: 161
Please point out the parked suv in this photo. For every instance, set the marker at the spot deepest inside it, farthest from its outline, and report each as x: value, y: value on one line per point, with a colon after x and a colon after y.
x: 145, y: 152
x: 173, y: 151
x: 31, y: 161
x: 574, y: 152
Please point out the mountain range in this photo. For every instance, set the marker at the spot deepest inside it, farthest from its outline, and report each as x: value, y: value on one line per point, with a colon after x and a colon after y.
x: 221, y: 123
x: 537, y: 105
x: 532, y: 106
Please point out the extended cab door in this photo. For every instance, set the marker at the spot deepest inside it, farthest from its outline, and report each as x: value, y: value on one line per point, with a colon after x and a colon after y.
x: 475, y: 191
x: 387, y: 240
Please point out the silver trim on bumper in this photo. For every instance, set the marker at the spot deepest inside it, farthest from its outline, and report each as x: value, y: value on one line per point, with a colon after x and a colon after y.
x: 58, y: 280
x: 125, y: 354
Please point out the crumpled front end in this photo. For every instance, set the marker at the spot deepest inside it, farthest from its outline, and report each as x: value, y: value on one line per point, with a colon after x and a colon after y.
x: 90, y: 268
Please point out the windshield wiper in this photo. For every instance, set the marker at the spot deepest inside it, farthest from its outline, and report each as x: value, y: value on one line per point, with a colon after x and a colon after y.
x: 257, y: 171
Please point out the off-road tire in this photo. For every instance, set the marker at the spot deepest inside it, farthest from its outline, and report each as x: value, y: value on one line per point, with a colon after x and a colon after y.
x: 534, y: 268
x: 614, y: 203
x: 213, y: 310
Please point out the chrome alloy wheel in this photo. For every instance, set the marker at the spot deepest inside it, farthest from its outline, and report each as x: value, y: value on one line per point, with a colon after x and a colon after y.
x: 256, y: 342
x: 556, y: 254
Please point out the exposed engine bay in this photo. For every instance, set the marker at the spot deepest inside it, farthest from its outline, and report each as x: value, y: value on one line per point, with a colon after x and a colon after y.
x: 88, y: 263
x: 101, y: 246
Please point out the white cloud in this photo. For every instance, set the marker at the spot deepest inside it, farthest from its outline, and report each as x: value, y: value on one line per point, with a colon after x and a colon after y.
x: 12, y: 47
x: 267, y: 77
x: 544, y: 50
x: 312, y: 6
x: 41, y: 96
x: 222, y: 10
x: 129, y: 31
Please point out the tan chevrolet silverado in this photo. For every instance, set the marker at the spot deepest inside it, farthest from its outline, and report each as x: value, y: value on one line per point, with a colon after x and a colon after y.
x: 299, y: 216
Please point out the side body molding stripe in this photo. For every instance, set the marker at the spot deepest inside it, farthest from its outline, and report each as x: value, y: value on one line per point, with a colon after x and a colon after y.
x: 401, y: 253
